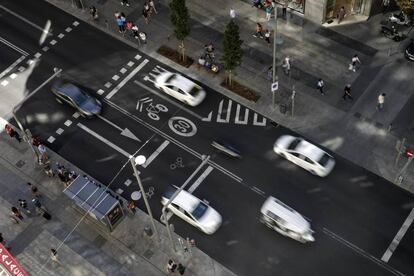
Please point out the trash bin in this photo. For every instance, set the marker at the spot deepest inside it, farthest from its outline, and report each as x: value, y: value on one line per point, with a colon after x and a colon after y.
x: 283, y: 108
x: 148, y: 231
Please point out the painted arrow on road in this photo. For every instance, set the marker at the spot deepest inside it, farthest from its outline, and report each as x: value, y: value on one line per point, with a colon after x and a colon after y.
x: 124, y: 131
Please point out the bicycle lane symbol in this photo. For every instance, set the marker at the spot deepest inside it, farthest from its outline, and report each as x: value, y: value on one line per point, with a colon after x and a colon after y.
x: 182, y: 126
x: 152, y: 109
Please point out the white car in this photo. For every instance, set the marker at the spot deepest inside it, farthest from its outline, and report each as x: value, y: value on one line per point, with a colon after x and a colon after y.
x: 194, y: 211
x: 180, y: 88
x: 304, y: 154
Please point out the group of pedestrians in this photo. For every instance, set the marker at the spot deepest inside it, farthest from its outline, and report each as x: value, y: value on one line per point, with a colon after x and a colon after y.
x: 172, y: 267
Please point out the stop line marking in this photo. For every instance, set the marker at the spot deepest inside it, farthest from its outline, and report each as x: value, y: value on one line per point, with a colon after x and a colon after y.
x: 156, y: 153
x: 200, y: 179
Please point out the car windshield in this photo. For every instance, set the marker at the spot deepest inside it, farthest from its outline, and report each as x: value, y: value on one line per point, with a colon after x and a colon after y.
x: 195, y: 90
x: 80, y: 98
x: 200, y: 210
x: 294, y: 144
x: 170, y: 78
x: 324, y: 159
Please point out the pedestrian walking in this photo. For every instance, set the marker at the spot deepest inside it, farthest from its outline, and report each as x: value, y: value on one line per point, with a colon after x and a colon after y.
x: 145, y: 15
x: 181, y: 269
x: 341, y: 14
x: 257, y: 4
x: 258, y: 31
x: 33, y: 190
x: 125, y: 2
x: 152, y: 6
x: 284, y: 8
x: 54, y: 256
x: 12, y: 133
x: 267, y: 35
x: 354, y: 61
x: 143, y: 37
x: 93, y: 11
x: 381, y: 100
x: 232, y: 13
x: 38, y: 206
x: 286, y: 65
x: 171, y: 266
x: 135, y: 33
x: 42, y: 149
x: 131, y: 207
x: 385, y: 5
x: 3, y: 242
x: 270, y: 73
x: 16, y: 215
x: 347, y: 93
x: 320, y: 86
x: 120, y: 24
x: 269, y: 11
x: 23, y: 205
x: 48, y: 169
x: 147, y: 8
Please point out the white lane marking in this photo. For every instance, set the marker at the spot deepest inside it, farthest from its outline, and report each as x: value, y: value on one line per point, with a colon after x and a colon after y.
x: 45, y: 49
x: 14, y: 47
x: 208, y: 118
x: 119, y: 191
x: 53, y: 42
x: 115, y: 77
x: 124, y: 131
x: 176, y: 142
x: 30, y: 61
x: 68, y: 29
x: 258, y: 191
x: 21, y: 69
x: 130, y: 64
x: 246, y: 116
x: 155, y: 153
x: 76, y: 115
x: 100, y: 92
x: 137, y: 57
x: 127, y: 182
x: 61, y: 35
x: 5, y: 82
x: 37, y: 55
x: 361, y: 252
x: 388, y: 253
x: 8, y: 69
x: 25, y: 20
x: 168, y: 99
x: 126, y: 79
x: 123, y: 70
x: 106, y: 141
x: 200, y: 179
x: 68, y: 123
x: 219, y: 119
x: 51, y: 139
x: 108, y: 84
x: 75, y: 23
x: 13, y: 76
x: 59, y: 131
x: 256, y: 123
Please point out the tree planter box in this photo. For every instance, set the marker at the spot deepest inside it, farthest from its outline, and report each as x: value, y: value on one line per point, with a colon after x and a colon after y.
x: 242, y: 91
x: 174, y: 55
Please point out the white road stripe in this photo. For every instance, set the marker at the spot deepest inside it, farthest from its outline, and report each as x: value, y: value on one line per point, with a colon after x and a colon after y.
x: 391, y: 248
x: 246, y: 116
x: 25, y: 20
x: 208, y: 118
x: 219, y: 119
x: 155, y: 153
x: 126, y: 79
x: 256, y: 123
x: 14, y: 64
x: 200, y: 179
x: 14, y: 47
x: 361, y: 252
x: 99, y: 137
x: 168, y: 99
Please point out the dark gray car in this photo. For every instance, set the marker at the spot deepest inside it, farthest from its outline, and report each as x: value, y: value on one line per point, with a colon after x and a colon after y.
x: 409, y: 51
x: 71, y: 94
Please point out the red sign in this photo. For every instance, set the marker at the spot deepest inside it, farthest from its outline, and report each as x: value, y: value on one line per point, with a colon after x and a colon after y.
x: 9, y: 263
x: 409, y: 153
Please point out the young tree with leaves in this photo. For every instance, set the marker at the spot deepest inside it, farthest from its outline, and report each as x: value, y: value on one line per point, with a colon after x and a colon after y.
x: 406, y: 5
x: 233, y: 52
x: 179, y: 18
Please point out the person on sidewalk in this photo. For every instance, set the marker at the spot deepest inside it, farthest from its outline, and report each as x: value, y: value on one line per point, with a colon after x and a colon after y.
x: 152, y: 6
x: 3, y: 242
x: 341, y: 14
x: 16, y: 215
x: 54, y: 256
x: 38, y: 206
x: 385, y: 5
x: 354, y: 61
x: 131, y: 207
x: 145, y: 15
x: 269, y: 11
x: 267, y: 35
x: 320, y: 86
x: 259, y: 30
x: 33, y: 190
x: 120, y: 24
x: 143, y: 37
x: 347, y: 93
x: 232, y: 13
x: 257, y: 4
x: 135, y: 32
x: 181, y: 269
x: 171, y: 266
x: 23, y: 205
x: 286, y: 65
x: 381, y: 100
x: 12, y: 133
x: 284, y: 8
x: 125, y: 2
x: 93, y: 11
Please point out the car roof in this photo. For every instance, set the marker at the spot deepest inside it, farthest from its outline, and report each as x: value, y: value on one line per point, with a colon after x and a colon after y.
x: 309, y: 150
x: 182, y: 83
x: 186, y: 201
x: 68, y: 89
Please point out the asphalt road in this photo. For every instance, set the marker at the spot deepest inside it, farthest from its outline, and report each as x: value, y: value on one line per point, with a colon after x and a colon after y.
x: 355, y: 214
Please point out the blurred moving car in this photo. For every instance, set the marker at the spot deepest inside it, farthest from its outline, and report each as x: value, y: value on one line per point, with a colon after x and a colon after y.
x: 180, y: 88
x: 304, y: 154
x: 409, y: 51
x: 71, y: 94
x: 283, y: 219
x: 193, y: 210
x: 226, y: 148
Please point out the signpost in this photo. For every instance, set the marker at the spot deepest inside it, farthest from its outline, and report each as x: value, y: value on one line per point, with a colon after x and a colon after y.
x: 275, y: 87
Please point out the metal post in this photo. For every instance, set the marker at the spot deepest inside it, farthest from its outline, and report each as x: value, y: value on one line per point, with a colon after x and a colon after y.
x: 164, y: 209
x: 400, y: 149
x: 401, y: 173
x: 293, y: 99
x: 144, y: 196
x: 274, y: 76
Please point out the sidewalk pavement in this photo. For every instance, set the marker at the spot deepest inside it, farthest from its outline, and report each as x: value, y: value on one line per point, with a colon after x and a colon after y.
x: 315, y: 51
x: 90, y: 249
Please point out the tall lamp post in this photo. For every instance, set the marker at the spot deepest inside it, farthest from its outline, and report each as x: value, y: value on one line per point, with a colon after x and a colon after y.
x: 140, y: 160
x: 273, y: 24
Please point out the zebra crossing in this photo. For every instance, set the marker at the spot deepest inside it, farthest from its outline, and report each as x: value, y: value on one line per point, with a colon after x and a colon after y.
x: 223, y: 114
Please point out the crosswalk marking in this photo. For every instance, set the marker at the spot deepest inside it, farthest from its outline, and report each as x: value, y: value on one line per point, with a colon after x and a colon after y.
x: 208, y: 118
x: 256, y: 123
x: 220, y: 111
x: 246, y: 116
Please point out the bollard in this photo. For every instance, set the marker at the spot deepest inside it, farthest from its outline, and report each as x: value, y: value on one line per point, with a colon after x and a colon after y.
x: 148, y: 231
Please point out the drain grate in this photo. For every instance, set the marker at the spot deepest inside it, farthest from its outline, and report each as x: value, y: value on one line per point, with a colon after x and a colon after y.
x: 20, y: 163
x: 148, y: 254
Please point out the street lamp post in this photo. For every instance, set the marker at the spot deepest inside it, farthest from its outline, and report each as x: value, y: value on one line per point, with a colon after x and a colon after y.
x: 273, y: 24
x: 140, y: 160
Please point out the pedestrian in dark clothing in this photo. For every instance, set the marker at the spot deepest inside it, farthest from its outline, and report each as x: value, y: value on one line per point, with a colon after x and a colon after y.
x: 341, y: 14
x: 36, y: 141
x: 23, y: 205
x: 320, y: 86
x: 135, y: 33
x: 257, y: 4
x: 267, y: 36
x: 145, y: 15
x: 93, y: 11
x: 38, y: 206
x: 54, y: 255
x: 125, y: 2
x: 171, y: 266
x: 47, y: 169
x: 33, y: 189
x: 259, y: 30
x: 284, y: 8
x: 131, y: 207
x: 12, y: 133
x: 347, y: 93
x: 385, y: 5
x: 181, y: 269
x: 3, y: 242
x: 16, y: 215
x: 152, y: 6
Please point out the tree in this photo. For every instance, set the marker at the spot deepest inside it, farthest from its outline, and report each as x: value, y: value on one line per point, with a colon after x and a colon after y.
x: 406, y: 5
x: 179, y: 18
x: 233, y: 52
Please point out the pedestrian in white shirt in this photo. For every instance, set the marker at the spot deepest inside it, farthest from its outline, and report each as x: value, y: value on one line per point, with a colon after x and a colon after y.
x: 381, y: 100
x: 232, y: 13
x: 355, y: 59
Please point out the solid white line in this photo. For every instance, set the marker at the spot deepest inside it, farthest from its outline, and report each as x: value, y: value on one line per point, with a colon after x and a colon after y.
x: 388, y: 253
x: 99, y: 137
x: 219, y: 119
x: 14, y: 47
x: 168, y: 99
x: 8, y: 69
x: 109, y: 122
x: 127, y: 78
x: 25, y: 20
x: 361, y: 252
x: 155, y: 153
x: 200, y: 179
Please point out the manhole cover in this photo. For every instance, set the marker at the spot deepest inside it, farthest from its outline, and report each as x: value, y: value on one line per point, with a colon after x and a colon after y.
x: 20, y: 163
x: 148, y: 254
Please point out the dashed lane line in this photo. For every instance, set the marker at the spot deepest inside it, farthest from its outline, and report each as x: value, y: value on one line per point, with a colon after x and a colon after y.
x: 14, y: 64
x: 200, y: 179
x: 156, y: 153
x: 14, y: 47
